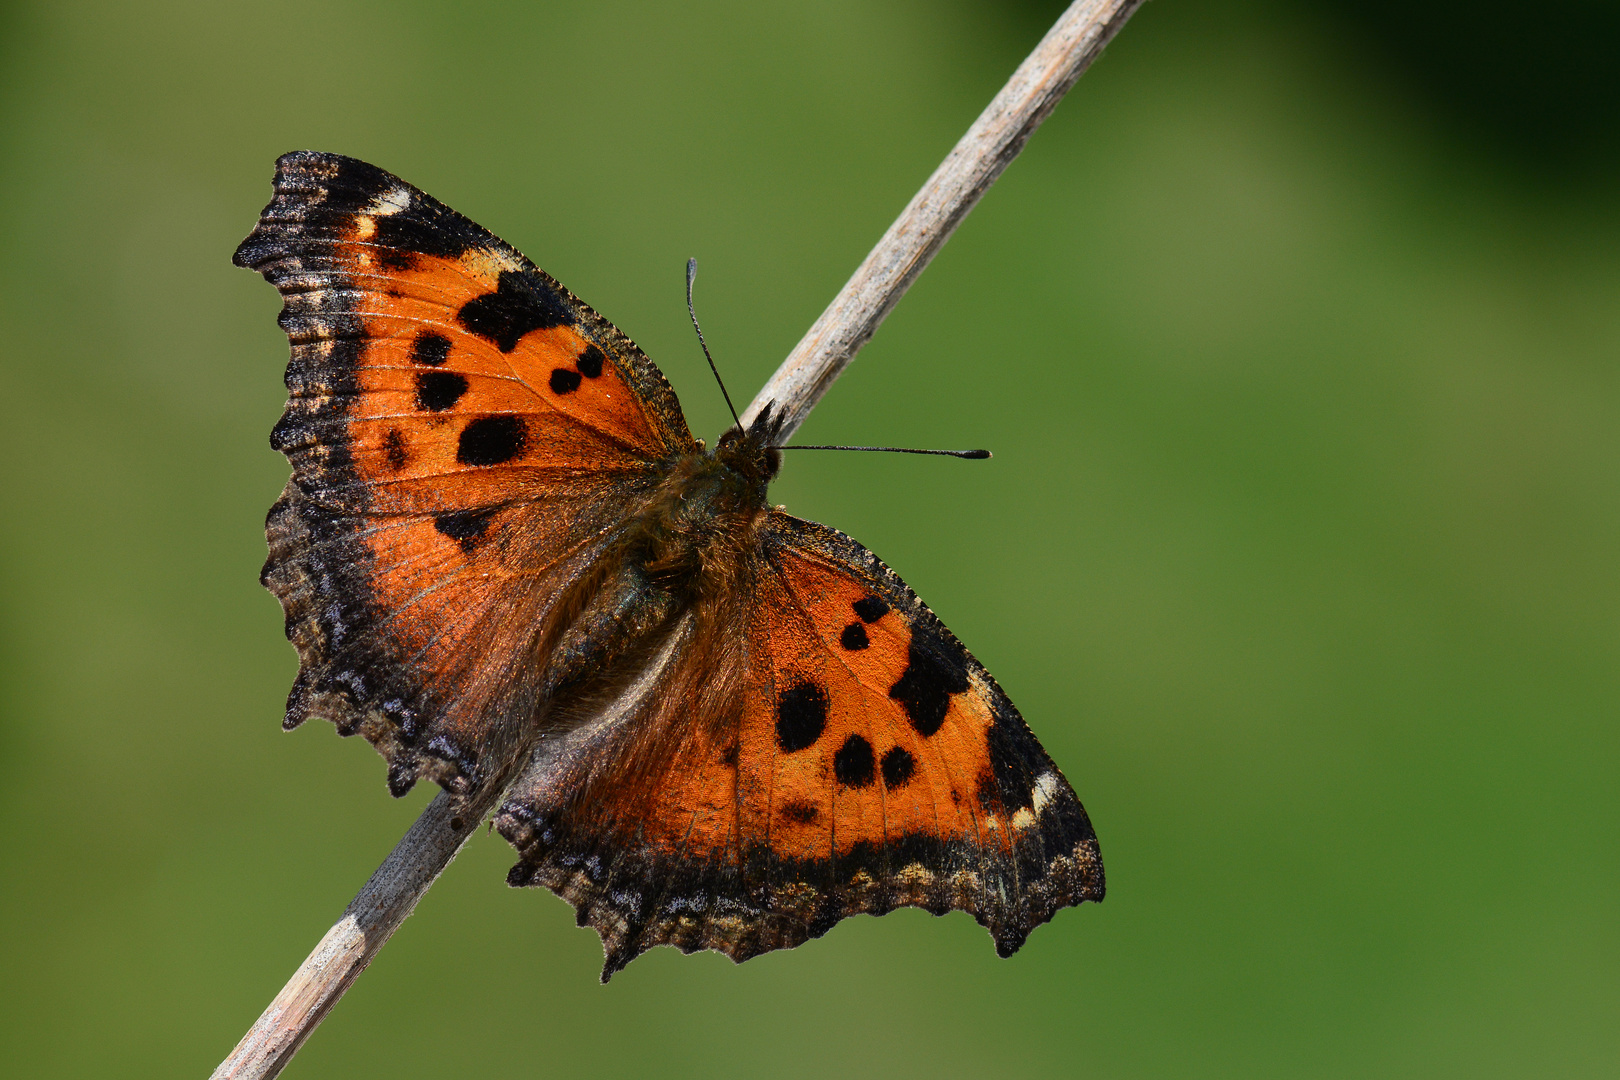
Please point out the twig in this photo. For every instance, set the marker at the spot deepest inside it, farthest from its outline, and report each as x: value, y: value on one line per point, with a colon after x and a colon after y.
x: 933, y: 214
x: 367, y: 923
x: 849, y: 321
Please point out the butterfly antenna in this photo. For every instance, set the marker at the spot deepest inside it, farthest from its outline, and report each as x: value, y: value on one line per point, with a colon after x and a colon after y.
x: 691, y: 276
x: 970, y: 455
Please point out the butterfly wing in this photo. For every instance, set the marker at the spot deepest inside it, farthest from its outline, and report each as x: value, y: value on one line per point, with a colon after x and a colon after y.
x: 818, y: 746
x: 465, y: 436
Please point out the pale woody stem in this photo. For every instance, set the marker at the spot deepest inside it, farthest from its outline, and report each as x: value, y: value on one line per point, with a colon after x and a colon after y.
x: 849, y: 321
x: 933, y: 214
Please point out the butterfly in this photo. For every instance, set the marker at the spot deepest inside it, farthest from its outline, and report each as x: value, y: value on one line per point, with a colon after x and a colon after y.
x: 504, y: 560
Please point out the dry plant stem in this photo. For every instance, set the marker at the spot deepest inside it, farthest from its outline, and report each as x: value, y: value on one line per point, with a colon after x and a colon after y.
x: 372, y: 916
x: 367, y: 923
x: 956, y: 186
x: 922, y: 228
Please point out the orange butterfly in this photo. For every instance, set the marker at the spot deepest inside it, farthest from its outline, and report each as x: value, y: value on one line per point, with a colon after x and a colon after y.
x: 505, y: 561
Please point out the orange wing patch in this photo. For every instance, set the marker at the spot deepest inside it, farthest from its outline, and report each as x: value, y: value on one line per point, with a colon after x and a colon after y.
x: 446, y: 404
x: 849, y: 765
x: 836, y: 751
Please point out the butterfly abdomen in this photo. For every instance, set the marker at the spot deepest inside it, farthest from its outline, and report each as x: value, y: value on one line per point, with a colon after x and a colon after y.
x: 625, y: 608
x: 688, y: 540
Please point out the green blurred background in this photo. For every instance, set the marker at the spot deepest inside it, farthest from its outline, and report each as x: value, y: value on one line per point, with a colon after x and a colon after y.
x: 1294, y: 332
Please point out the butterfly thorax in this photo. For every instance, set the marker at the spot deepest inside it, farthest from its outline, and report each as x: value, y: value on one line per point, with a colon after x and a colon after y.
x: 685, y: 549
x: 704, y: 514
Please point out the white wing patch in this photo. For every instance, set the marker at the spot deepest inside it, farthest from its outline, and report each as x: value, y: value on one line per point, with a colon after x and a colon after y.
x: 1046, y: 786
x: 390, y: 202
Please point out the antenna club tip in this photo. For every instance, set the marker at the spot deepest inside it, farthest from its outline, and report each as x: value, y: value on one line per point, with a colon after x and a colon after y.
x: 979, y: 455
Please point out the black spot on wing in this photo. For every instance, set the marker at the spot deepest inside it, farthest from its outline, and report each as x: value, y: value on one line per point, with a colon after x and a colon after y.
x: 516, y: 307
x: 934, y: 671
x: 437, y: 391
x: 394, y: 449
x: 430, y: 349
x: 590, y: 361
x: 801, y: 813
x: 423, y: 228
x: 898, y: 766
x: 852, y: 765
x: 870, y: 609
x: 1016, y: 759
x: 564, y: 381
x: 854, y: 637
x: 491, y: 440
x: 466, y: 527
x: 396, y: 259
x: 801, y: 716
x: 987, y: 790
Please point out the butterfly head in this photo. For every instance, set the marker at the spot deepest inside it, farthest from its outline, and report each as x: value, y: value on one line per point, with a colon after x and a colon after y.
x: 752, y: 453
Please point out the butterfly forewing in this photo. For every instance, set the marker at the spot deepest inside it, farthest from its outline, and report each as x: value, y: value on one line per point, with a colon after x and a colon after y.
x: 465, y: 437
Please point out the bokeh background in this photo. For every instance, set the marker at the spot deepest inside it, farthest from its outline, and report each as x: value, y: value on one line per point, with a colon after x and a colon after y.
x: 1295, y: 332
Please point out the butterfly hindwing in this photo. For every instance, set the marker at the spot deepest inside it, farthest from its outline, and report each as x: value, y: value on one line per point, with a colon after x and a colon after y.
x: 826, y: 747
x: 465, y: 436
x: 937, y: 787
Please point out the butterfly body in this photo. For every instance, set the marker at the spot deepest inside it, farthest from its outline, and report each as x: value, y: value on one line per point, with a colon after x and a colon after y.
x: 503, y: 559
x: 684, y: 549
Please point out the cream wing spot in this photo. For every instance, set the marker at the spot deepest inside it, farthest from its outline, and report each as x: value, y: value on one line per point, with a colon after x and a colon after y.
x: 393, y: 201
x: 485, y: 265
x: 915, y: 875
x: 1046, y: 788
